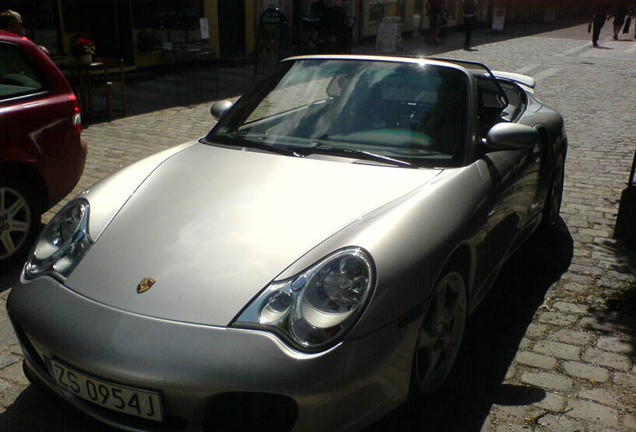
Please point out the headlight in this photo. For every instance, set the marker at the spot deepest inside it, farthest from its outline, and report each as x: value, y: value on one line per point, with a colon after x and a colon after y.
x: 62, y: 244
x: 314, y: 310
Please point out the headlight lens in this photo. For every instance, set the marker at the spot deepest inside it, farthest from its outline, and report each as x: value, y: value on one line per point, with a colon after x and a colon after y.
x: 315, y: 309
x: 62, y: 244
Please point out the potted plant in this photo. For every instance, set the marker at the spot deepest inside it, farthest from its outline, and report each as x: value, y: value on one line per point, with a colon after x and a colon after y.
x: 83, y: 49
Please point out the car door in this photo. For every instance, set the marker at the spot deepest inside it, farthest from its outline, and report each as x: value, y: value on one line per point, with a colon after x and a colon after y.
x: 510, y: 206
x: 21, y: 92
x: 35, y: 116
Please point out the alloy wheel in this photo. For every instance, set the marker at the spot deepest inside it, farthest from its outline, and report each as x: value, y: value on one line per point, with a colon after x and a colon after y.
x: 441, y: 332
x: 16, y: 221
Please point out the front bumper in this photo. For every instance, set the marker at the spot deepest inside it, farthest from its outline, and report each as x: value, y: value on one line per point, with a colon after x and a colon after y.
x: 192, y: 366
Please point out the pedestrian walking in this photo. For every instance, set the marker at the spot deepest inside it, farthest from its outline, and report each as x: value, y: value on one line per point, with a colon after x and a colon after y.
x: 435, y: 18
x: 620, y: 11
x: 469, y: 9
x: 598, y: 20
x: 632, y: 14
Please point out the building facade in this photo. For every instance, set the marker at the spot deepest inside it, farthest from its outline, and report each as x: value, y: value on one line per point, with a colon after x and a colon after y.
x: 155, y: 32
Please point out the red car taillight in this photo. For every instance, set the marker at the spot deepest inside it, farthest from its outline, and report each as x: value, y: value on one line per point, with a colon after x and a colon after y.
x: 77, y: 117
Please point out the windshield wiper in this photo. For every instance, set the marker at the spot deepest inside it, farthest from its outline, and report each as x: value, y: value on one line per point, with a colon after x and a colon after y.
x: 361, y: 154
x: 238, y: 139
x: 271, y: 148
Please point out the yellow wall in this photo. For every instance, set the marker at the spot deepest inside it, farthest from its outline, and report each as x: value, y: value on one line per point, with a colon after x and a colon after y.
x: 66, y: 38
x: 407, y: 15
x: 370, y: 27
x: 210, y: 9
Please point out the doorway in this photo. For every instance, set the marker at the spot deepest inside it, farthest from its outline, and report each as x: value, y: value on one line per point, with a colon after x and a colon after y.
x: 232, y: 28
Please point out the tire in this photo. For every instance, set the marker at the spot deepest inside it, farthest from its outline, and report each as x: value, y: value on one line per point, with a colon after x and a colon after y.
x: 19, y: 218
x: 552, y: 206
x: 441, y: 332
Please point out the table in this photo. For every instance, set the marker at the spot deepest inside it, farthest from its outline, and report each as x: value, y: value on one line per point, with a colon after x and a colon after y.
x: 80, y: 76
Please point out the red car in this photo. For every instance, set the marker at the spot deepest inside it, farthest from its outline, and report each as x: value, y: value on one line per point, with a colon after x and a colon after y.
x: 42, y: 153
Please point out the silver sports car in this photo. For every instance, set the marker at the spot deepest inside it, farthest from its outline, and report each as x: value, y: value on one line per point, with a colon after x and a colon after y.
x: 305, y: 265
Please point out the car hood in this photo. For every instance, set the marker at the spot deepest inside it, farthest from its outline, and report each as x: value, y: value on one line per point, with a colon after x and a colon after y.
x: 213, y: 226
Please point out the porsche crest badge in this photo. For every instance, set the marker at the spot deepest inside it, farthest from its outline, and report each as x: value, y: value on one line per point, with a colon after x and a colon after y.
x: 145, y: 285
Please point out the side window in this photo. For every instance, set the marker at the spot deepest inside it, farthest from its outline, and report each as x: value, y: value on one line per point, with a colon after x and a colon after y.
x: 18, y: 76
x: 490, y: 94
x: 491, y: 103
x: 517, y: 101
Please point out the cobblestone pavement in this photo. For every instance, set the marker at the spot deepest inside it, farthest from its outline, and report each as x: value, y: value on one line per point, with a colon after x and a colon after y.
x: 544, y: 352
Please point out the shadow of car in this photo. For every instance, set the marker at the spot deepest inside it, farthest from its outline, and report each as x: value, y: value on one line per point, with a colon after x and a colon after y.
x: 42, y: 154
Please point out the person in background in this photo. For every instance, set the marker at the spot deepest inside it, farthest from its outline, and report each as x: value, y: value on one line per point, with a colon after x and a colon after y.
x: 469, y: 9
x: 435, y: 17
x: 11, y: 21
x: 598, y: 20
x: 620, y: 11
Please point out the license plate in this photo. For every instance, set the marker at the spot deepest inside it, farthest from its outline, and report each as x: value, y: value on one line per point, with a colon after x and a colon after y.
x: 129, y: 400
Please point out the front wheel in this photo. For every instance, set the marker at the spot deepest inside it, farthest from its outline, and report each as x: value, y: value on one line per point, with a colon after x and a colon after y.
x: 441, y: 332
x: 19, y: 218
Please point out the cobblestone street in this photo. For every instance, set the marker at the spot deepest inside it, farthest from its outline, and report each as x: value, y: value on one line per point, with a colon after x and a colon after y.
x: 544, y: 352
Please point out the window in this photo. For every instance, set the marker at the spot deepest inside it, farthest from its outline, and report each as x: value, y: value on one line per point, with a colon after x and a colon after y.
x: 77, y: 16
x: 416, y: 113
x: 166, y: 14
x: 18, y: 76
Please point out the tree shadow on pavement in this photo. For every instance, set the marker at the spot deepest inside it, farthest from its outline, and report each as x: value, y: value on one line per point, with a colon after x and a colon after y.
x: 615, y: 311
x: 492, y: 339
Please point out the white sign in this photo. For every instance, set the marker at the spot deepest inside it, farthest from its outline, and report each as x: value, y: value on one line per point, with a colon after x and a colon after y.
x: 204, y: 25
x: 388, y: 35
x: 499, y: 19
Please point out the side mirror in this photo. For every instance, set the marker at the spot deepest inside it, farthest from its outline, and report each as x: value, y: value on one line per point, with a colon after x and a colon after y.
x: 511, y: 136
x: 219, y: 108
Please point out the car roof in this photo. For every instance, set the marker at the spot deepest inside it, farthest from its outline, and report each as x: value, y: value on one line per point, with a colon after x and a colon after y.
x: 9, y: 36
x: 17, y: 39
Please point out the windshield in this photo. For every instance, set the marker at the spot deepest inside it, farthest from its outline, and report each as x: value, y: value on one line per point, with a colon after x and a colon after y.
x: 415, y: 114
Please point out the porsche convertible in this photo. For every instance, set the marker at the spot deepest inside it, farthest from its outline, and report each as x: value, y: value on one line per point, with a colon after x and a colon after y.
x: 305, y: 266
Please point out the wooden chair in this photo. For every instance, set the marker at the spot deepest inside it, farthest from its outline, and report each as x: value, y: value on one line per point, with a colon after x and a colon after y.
x: 114, y: 68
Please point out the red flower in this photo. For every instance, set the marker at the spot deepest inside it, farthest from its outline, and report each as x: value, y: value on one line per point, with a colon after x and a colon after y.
x: 83, y: 46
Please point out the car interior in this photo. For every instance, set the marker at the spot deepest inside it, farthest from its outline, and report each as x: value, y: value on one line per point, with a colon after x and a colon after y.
x: 17, y: 75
